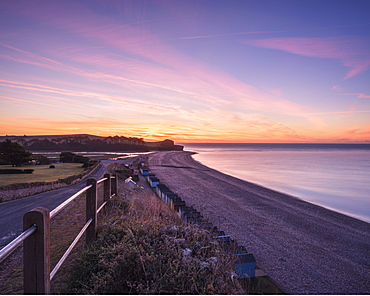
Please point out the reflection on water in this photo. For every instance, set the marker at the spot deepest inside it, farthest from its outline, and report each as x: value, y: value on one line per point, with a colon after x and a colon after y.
x: 333, y: 176
x: 97, y: 155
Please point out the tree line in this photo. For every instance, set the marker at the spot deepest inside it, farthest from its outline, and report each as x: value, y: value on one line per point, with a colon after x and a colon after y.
x: 14, y: 154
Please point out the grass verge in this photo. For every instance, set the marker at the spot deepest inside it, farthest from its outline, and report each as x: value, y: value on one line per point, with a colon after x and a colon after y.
x: 42, y: 173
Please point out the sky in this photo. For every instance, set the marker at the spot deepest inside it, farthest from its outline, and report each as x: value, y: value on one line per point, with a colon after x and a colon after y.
x: 240, y: 71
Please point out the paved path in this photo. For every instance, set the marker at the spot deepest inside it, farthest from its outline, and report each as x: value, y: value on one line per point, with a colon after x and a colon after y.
x: 305, y: 248
x: 11, y: 212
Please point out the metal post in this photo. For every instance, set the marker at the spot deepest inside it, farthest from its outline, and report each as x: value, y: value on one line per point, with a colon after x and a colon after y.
x: 36, y: 252
x: 114, y: 184
x: 107, y: 187
x: 91, y: 207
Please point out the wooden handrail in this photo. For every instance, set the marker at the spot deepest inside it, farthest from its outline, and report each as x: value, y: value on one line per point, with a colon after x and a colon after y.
x: 36, y: 236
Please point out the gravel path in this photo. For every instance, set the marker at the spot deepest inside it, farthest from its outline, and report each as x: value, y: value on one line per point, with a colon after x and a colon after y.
x: 305, y: 248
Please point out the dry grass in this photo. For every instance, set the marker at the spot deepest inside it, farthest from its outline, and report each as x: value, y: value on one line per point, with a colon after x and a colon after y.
x: 42, y: 173
x: 143, y: 248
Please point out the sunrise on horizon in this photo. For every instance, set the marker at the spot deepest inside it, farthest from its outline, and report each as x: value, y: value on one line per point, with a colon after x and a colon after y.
x: 190, y: 71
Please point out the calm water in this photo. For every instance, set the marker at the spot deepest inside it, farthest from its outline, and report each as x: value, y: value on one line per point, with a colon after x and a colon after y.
x: 336, y: 176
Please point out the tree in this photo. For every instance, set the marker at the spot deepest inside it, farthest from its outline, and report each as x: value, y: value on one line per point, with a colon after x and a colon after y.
x: 42, y: 159
x: 72, y: 158
x: 67, y: 157
x: 14, y: 153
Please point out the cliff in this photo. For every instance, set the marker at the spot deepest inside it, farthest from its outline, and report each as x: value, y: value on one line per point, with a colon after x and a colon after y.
x: 90, y: 143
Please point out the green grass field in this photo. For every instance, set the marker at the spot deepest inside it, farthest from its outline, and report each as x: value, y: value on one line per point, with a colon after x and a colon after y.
x: 42, y: 173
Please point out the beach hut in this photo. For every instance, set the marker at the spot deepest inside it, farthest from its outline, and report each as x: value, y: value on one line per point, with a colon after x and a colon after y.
x: 160, y: 189
x: 163, y: 193
x: 245, y: 266
x: 176, y: 202
x: 153, y: 181
x: 189, y: 214
x: 168, y: 195
x: 144, y: 171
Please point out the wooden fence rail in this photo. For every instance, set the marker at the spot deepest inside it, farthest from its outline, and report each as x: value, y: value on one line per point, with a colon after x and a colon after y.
x: 36, y: 236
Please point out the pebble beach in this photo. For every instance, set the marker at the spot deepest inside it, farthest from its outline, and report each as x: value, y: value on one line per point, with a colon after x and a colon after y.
x: 304, y: 248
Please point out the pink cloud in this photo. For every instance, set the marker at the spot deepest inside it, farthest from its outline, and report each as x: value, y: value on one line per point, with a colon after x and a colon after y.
x: 60, y: 97
x: 358, y: 95
x: 352, y: 52
x: 363, y: 96
x: 153, y: 63
x: 336, y: 88
x: 358, y: 133
x: 191, y: 79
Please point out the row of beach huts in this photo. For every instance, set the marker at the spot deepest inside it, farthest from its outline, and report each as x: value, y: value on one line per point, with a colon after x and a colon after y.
x: 245, y: 264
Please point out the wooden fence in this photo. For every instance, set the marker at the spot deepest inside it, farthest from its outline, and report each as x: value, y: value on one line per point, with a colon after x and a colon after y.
x: 36, y: 236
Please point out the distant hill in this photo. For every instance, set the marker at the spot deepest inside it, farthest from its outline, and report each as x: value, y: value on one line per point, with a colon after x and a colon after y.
x: 85, y: 142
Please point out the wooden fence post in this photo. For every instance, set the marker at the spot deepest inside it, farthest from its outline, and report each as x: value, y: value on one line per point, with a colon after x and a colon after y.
x: 91, y: 208
x: 36, y: 252
x: 107, y: 187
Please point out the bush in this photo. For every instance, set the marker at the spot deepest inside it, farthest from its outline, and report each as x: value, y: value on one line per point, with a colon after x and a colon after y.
x: 52, y: 167
x: 122, y: 171
x: 16, y: 171
x: 42, y: 159
x: 11, y: 171
x: 69, y: 157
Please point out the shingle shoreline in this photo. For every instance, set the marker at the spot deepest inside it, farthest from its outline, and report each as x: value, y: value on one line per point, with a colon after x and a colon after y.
x: 305, y: 248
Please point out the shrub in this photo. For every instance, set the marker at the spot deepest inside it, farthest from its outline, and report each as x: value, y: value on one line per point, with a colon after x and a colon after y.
x: 11, y: 171
x: 122, y: 171
x: 42, y: 159
x: 72, y: 158
x: 16, y: 171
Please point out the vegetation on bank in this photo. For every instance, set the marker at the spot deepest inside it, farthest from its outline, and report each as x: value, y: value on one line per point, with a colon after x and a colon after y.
x: 143, y: 248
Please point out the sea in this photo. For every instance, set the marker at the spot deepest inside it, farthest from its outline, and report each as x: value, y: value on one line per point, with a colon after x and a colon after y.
x: 335, y: 176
